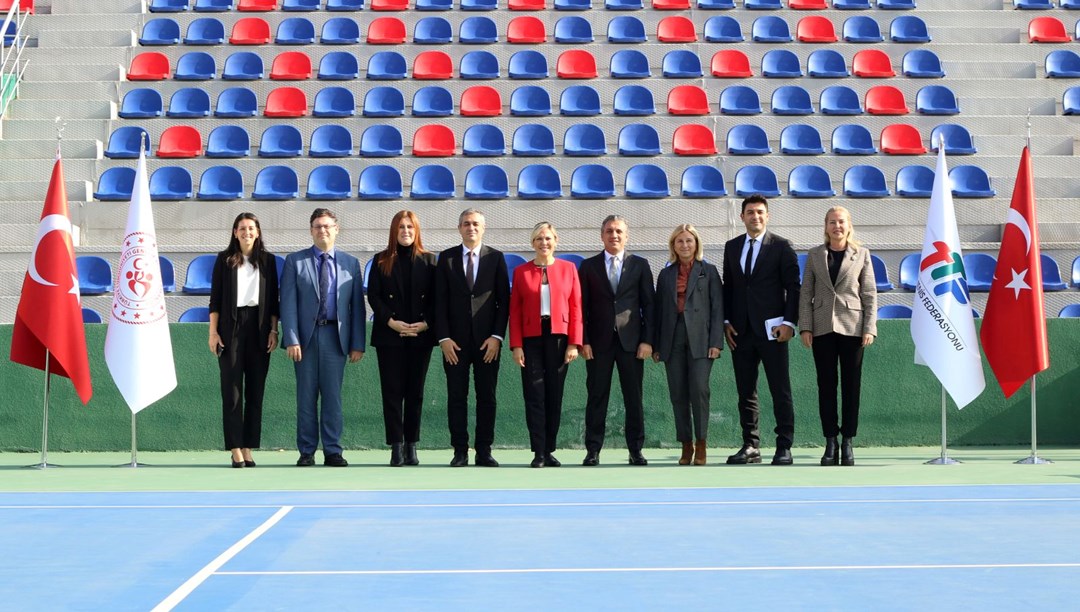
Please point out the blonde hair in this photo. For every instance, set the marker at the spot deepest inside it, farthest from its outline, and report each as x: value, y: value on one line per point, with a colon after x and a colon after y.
x: 699, y: 252
x: 850, y: 236
x: 543, y: 225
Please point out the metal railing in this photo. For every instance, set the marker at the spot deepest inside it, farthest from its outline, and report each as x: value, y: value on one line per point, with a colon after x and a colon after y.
x: 12, y: 64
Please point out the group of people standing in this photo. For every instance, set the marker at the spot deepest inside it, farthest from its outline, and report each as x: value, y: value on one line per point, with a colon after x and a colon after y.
x: 607, y: 311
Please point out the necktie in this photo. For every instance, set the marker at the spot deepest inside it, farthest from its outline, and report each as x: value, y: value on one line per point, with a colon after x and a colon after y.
x: 747, y: 268
x: 613, y: 274
x: 324, y: 284
x: 469, y: 271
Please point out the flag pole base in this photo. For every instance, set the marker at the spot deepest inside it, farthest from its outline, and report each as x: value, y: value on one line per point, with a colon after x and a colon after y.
x: 1033, y: 459
x: 41, y: 466
x: 943, y: 460
x: 132, y: 464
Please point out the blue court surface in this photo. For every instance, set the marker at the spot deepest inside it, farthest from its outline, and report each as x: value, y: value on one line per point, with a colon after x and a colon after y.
x: 821, y: 548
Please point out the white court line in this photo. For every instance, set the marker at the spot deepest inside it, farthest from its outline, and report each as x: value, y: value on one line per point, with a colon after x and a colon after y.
x: 192, y: 583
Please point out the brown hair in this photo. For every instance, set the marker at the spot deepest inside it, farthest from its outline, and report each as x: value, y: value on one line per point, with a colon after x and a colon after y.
x: 388, y: 257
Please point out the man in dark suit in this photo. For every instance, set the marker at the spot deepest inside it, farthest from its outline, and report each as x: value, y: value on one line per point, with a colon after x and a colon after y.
x: 761, y: 303
x: 323, y: 324
x: 472, y: 305
x: 618, y: 319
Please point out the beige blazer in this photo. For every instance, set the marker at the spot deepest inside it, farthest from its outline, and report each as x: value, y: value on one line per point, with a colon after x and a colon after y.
x: 848, y: 308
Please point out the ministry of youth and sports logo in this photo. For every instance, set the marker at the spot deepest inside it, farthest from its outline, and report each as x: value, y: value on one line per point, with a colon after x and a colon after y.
x: 138, y: 296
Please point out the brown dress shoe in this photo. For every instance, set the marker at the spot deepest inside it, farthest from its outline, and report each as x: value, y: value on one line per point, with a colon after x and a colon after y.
x: 699, y: 453
x: 687, y: 453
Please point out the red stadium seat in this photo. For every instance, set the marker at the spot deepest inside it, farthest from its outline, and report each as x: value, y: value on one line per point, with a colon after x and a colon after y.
x: 886, y: 100
x: 25, y: 6
x: 291, y: 66
x: 815, y: 29
x: 257, y: 6
x: 481, y: 101
x: 693, y: 139
x: 389, y: 5
x: 671, y: 5
x: 525, y: 30
x: 180, y: 141
x: 152, y: 66
x: 433, y: 65
x: 901, y: 139
x: 386, y: 31
x: 676, y: 29
x: 687, y: 100
x: 808, y: 5
x: 433, y: 140
x: 731, y: 64
x: 525, y: 5
x: 1047, y: 29
x: 250, y: 31
x: 576, y: 64
x: 286, y: 102
x: 872, y: 63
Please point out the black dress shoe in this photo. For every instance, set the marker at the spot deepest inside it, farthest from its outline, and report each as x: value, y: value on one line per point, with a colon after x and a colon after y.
x: 782, y: 457
x: 831, y: 456
x: 636, y: 458
x: 486, y: 460
x: 461, y: 458
x: 305, y: 460
x: 591, y: 458
x: 551, y: 461
x: 396, y: 457
x: 335, y: 460
x: 410, y: 454
x: 249, y: 463
x: 538, y: 460
x: 746, y: 454
x: 238, y: 464
x: 847, y: 456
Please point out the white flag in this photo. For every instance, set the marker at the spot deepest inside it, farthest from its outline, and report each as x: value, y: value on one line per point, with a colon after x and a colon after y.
x: 138, y: 348
x: 942, y: 323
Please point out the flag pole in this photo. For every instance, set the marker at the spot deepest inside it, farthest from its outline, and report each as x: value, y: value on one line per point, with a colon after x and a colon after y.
x: 944, y: 459
x: 1033, y: 458
x: 45, y: 421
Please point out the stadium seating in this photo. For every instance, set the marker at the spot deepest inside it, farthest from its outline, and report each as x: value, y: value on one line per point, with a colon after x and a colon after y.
x: 810, y: 182
x: 716, y: 5
x: 481, y: 140
x: 894, y: 311
x: 730, y: 64
x: 801, y: 139
x: 723, y: 29
x: 646, y: 181
x: 433, y: 65
x: 331, y: 140
x: 155, y: 6
x: 1062, y: 63
x: 915, y: 182
x: 629, y: 64
x: 573, y: 258
x: 338, y: 66
x: 872, y: 63
x: 386, y: 66
x: 242, y: 66
x: 840, y: 100
x: 625, y: 29
x: 340, y: 31
x: 827, y: 63
x: 126, y: 141
x: 480, y: 101
x: 909, y: 29
x: 940, y: 100
x: 747, y: 139
x: 286, y: 102
x: 142, y: 103
x: 1047, y: 30
x: 639, y: 139
x: 1051, y: 275
x: 195, y: 66
x: 221, y: 183
x: 739, y: 100
x: 477, y: 31
x: 958, y: 140
x: 434, y: 140
x: 432, y: 31
x: 852, y: 139
x: 296, y: 31
x: 513, y: 260
x: 815, y: 29
x: 1070, y: 310
x: 527, y: 65
x: 791, y: 100
x: 592, y: 182
x: 576, y: 64
x: 756, y: 179
x: 864, y: 181
x: 579, y: 101
x: 95, y: 275
x: 430, y: 5
x: 681, y: 64
x: 189, y: 102
x: 861, y: 29
x: 539, y: 182
x: 530, y: 101
x: 693, y: 139
x: 486, y: 182
x: 149, y: 66
x: 1070, y: 101
x: 533, y: 140
x: 228, y: 141
x: 432, y: 182
x: 584, y: 140
x: 807, y: 5
x: 702, y: 181
x: 770, y: 29
x: 236, y: 102
x: 573, y: 30
x: 901, y: 139
x: 687, y: 100
x: 170, y: 183
x: 115, y: 184
x: 379, y: 182
x: 881, y: 274
x: 886, y: 100
x: 922, y: 64
x: 329, y: 182
x: 762, y: 5
x: 180, y: 141
x: 385, y: 31
x: 970, y: 182
x: 526, y: 30
x: 281, y: 141
x: 291, y: 66
x: 89, y: 315
x: 676, y: 29
x: 781, y: 64
x: 198, y: 275
x: 261, y: 6
x: 634, y: 100
x: 979, y: 270
x: 478, y: 65
x: 432, y: 101
x: 379, y: 102
x: 250, y: 31
x: 896, y: 5
x: 160, y: 31
x: 300, y: 5
x: 276, y: 183
x: 207, y: 6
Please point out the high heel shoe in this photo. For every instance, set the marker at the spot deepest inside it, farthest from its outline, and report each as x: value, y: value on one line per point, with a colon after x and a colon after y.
x: 396, y: 460
x: 238, y: 464
x: 410, y: 454
x: 687, y: 453
x: 847, y: 455
x: 831, y: 456
x: 699, y: 452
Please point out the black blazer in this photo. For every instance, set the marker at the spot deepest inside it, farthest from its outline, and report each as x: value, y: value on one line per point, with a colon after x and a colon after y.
x: 703, y: 312
x: 386, y: 295
x: 772, y: 289
x: 223, y: 296
x: 628, y: 313
x: 479, y: 314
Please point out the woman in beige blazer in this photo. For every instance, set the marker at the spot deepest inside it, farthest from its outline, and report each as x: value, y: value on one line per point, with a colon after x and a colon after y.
x: 837, y: 320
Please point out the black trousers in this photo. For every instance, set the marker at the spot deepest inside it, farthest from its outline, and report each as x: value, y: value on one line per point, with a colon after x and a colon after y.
x: 402, y: 371
x: 485, y: 381
x: 598, y: 372
x: 830, y: 350
x: 750, y: 351
x: 542, y: 381
x: 243, y: 363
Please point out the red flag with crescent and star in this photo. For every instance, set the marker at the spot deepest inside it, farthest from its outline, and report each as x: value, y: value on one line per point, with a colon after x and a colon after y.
x: 49, y: 316
x: 1014, y: 327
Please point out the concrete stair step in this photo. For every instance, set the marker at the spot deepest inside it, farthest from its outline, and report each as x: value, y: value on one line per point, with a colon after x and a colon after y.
x: 69, y: 109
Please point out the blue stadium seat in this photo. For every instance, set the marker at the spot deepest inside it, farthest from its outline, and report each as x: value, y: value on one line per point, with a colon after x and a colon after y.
x: 862, y: 29
x: 339, y: 66
x: 896, y: 5
x: 281, y: 140
x: 479, y: 5
x: 142, y: 103
x: 791, y: 100
x: 477, y: 31
x: 573, y: 258
x: 168, y: 6
x: 195, y: 66
x: 629, y: 64
x: 432, y: 182
x: 381, y: 141
x: 770, y: 29
x: 331, y: 140
x: 748, y: 139
x: 762, y: 5
x: 579, y: 101
x: 433, y: 31
x: 584, y: 140
x: 739, y: 100
x: 198, y: 276
x: 864, y: 181
x: 300, y: 5
x: 922, y: 64
x: 533, y: 140
x: 592, y: 182
x: 221, y: 183
x: 851, y: 5
x: 379, y: 182
x: 1070, y: 101
x: 724, y: 29
x: 909, y: 29
x: 756, y: 179
x: 479, y: 65
x: 189, y: 102
x: 801, y: 139
x: 572, y: 5
x: 539, y: 182
x: 639, y: 139
x: 433, y: 101
x: 827, y: 63
x: 894, y: 311
x: 909, y: 269
x: 339, y: 102
x: 530, y: 101
x: 634, y: 100
x: 486, y: 182
x: 340, y: 31
x: 276, y: 183
x: 1070, y: 310
x: 1063, y: 63
x: 527, y: 65
x: 236, y: 102
x: 383, y: 102
x: 95, y: 274
x: 681, y: 64
x: 970, y: 182
x: 160, y: 31
x: 940, y: 100
x: 228, y: 141
x: 1051, y: 275
x: 646, y: 181
x: 573, y: 30
x: 513, y: 260
x: 89, y: 315
x: 810, y: 182
x: 344, y: 5
x: 881, y: 274
x: 716, y: 5
x: 915, y: 182
x: 979, y: 269
x: 625, y: 29
x: 1069, y: 4
x: 170, y: 183
x: 329, y: 183
x: 623, y: 5
x: 295, y: 31
x: 126, y: 141
x: 840, y: 100
x: 482, y: 140
x: 243, y: 66
x: 781, y: 64
x: 702, y: 181
x: 957, y: 139
x: 434, y: 5
x: 386, y: 66
x: 852, y: 139
x: 210, y: 6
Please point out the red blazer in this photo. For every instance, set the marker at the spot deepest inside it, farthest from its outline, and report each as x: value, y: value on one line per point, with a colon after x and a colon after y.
x: 565, y: 302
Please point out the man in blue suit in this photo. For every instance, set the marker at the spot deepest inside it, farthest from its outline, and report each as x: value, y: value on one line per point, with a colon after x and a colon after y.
x: 323, y: 323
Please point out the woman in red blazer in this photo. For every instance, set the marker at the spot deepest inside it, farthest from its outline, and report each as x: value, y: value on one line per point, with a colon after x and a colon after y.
x: 545, y: 336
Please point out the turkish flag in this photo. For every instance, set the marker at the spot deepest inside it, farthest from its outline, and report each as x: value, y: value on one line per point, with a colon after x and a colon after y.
x: 49, y: 317
x: 1014, y: 327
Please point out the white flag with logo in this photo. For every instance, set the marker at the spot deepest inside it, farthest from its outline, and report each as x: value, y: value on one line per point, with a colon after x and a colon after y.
x: 942, y: 323
x: 138, y: 348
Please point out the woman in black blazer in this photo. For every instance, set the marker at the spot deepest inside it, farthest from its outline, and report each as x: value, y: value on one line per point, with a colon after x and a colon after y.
x: 243, y: 333
x: 401, y: 288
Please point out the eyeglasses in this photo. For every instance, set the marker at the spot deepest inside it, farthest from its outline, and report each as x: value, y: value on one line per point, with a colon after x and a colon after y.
x: 324, y: 226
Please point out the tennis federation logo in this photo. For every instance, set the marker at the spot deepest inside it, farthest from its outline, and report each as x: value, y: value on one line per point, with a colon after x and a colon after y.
x: 946, y: 272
